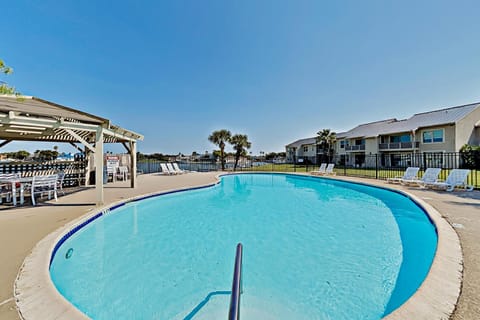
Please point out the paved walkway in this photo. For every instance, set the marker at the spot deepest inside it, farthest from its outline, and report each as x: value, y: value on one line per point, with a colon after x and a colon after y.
x: 22, y: 228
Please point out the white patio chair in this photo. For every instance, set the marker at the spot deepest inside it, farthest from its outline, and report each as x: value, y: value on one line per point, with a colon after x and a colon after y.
x: 177, y: 168
x: 321, y: 169
x: 44, y: 184
x: 329, y: 170
x: 171, y: 169
x: 165, y: 169
x: 111, y: 172
x: 429, y: 176
x: 410, y: 174
x: 456, y: 179
x: 122, y: 173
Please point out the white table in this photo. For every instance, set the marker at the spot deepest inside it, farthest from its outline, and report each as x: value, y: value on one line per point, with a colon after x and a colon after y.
x: 14, y: 182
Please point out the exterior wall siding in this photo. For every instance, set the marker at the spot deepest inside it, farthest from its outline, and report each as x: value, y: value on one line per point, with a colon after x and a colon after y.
x: 371, y: 145
x: 465, y: 131
x: 448, y: 144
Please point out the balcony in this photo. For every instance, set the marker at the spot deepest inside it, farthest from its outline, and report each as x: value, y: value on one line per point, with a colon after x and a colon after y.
x: 360, y: 147
x: 398, y: 146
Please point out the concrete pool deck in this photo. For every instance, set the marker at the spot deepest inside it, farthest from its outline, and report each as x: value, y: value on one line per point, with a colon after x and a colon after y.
x: 22, y: 228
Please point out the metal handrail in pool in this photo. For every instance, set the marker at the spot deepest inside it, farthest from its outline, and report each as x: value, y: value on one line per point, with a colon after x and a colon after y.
x: 234, y: 313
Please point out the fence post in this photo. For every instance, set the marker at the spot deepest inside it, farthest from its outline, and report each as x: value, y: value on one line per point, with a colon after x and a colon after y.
x: 376, y: 166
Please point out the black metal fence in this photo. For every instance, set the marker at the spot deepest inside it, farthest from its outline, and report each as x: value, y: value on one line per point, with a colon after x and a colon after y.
x: 384, y: 166
x: 376, y: 166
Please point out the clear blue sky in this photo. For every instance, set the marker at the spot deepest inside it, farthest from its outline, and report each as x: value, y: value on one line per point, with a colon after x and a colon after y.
x: 275, y: 70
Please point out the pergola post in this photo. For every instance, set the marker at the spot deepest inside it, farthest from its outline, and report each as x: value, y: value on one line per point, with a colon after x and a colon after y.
x: 133, y: 164
x: 99, y: 165
x: 87, y: 166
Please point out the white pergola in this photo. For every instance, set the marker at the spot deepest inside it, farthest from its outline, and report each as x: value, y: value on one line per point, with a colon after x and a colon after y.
x: 28, y: 118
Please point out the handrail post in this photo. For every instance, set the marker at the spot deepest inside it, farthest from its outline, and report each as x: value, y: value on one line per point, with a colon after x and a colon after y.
x: 237, y: 288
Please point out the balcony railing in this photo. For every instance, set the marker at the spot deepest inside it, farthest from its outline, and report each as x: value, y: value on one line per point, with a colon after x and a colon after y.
x: 359, y: 147
x: 398, y: 145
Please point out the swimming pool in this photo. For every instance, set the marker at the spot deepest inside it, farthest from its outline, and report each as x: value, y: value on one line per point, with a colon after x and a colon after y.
x: 313, y: 249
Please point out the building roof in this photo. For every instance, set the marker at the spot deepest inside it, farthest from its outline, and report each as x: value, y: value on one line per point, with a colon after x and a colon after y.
x: 301, y: 142
x: 420, y: 120
x: 368, y: 129
x: 341, y: 135
x: 388, y: 126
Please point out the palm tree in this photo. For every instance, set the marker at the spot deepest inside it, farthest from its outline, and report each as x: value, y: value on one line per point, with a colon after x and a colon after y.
x: 219, y: 138
x: 326, y: 140
x: 240, y: 143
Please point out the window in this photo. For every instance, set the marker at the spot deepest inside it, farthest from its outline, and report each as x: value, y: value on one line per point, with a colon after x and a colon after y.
x: 359, y: 142
x: 305, y: 149
x: 402, y: 138
x: 342, y: 144
x: 432, y: 136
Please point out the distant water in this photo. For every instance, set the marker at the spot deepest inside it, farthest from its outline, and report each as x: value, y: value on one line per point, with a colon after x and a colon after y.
x: 313, y: 249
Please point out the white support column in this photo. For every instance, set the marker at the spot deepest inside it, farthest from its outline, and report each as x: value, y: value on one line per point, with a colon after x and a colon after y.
x: 87, y: 166
x: 99, y: 165
x: 133, y: 164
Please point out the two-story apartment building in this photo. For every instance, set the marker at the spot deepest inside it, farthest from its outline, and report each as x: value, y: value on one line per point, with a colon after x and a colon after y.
x: 431, y: 134
x: 303, y: 151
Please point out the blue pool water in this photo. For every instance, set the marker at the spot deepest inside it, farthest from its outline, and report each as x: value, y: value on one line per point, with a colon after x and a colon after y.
x: 313, y: 249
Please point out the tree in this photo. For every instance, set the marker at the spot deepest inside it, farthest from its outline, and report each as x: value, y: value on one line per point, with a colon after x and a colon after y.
x: 45, y: 155
x: 470, y: 156
x: 325, y: 141
x: 240, y: 143
x: 216, y: 154
x: 4, y: 87
x: 219, y: 138
x: 274, y: 155
x: 22, y: 154
x: 19, y: 155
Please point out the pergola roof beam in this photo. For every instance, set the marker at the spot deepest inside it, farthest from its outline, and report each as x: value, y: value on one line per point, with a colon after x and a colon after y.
x: 3, y: 143
x: 80, y: 139
x: 126, y: 147
x: 76, y: 147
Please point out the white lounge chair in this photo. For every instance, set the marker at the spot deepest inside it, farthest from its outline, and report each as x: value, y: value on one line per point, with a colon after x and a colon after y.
x: 410, y: 174
x: 165, y: 169
x: 429, y: 176
x: 456, y: 179
x: 44, y: 184
x: 177, y: 168
x: 321, y: 169
x: 329, y: 170
x: 171, y: 169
